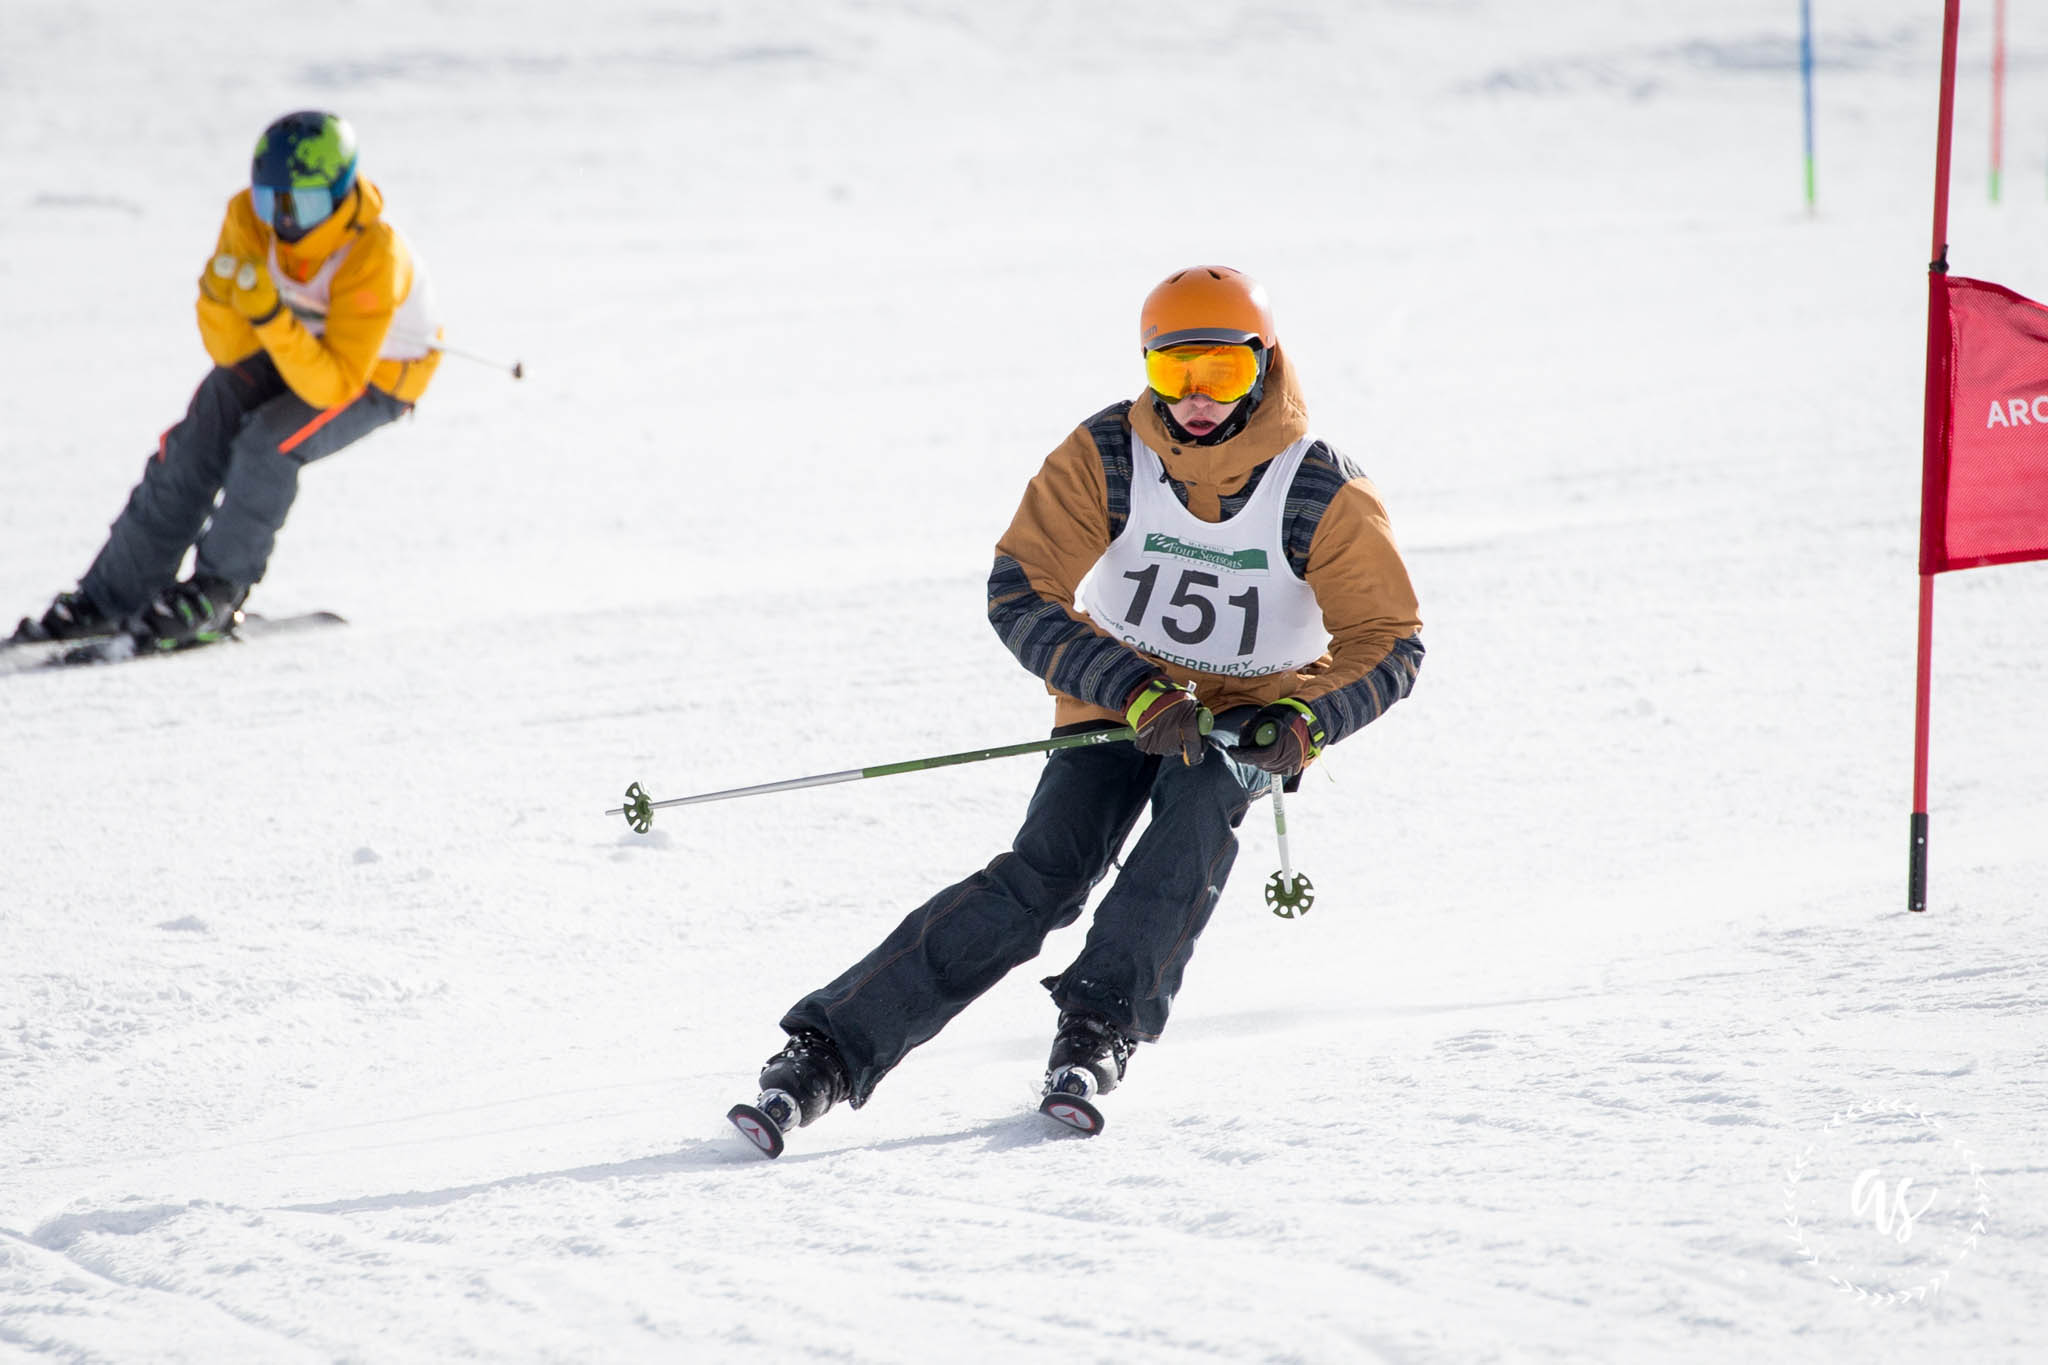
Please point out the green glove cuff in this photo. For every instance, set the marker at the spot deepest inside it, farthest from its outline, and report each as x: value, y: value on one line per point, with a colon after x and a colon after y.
x: 1205, y: 720
x: 1315, y: 727
x: 1144, y: 697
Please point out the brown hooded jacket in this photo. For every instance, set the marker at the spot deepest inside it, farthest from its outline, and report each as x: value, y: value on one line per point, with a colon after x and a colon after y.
x: 1062, y: 527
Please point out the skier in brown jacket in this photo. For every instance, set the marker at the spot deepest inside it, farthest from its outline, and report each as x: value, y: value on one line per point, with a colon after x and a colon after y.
x: 1195, y: 565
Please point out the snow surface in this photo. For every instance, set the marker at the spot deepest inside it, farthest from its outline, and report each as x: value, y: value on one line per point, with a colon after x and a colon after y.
x: 338, y: 1023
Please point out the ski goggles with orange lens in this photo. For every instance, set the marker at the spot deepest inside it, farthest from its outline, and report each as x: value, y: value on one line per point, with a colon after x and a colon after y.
x: 1221, y: 372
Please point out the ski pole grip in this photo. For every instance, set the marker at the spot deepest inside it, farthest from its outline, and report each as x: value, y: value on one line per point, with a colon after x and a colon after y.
x: 1266, y: 733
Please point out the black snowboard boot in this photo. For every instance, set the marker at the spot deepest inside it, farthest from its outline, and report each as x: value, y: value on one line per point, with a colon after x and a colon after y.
x: 803, y: 1080
x: 72, y: 616
x: 1089, y: 1055
x: 197, y: 611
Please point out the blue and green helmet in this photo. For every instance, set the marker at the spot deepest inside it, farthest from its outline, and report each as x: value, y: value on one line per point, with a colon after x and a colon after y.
x: 304, y: 166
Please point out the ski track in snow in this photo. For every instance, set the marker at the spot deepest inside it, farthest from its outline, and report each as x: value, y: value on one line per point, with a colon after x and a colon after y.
x: 338, y: 1023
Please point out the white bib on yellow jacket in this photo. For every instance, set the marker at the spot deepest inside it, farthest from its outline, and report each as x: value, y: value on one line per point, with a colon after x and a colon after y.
x: 415, y: 327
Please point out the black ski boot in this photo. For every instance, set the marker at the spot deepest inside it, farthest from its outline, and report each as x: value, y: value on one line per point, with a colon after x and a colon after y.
x: 798, y: 1085
x: 1089, y: 1055
x: 198, y: 611
x: 72, y: 616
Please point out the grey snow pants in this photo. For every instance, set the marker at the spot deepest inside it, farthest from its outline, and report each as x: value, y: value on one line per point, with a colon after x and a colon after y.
x: 962, y: 941
x: 242, y: 442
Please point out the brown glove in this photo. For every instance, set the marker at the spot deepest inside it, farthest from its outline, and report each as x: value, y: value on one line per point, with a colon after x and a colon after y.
x: 1168, y: 720
x: 1282, y: 738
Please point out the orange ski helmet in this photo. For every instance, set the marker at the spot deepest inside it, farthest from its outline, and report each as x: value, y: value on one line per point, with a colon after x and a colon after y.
x: 1206, y: 303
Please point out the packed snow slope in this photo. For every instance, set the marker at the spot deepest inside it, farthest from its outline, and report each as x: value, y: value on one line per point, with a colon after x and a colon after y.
x: 337, y: 1021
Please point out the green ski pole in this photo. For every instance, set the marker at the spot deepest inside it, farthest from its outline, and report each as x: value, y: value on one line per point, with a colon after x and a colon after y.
x: 640, y: 807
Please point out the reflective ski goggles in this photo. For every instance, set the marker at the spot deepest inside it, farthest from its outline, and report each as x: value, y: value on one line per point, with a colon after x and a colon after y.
x: 300, y: 206
x: 1223, y: 373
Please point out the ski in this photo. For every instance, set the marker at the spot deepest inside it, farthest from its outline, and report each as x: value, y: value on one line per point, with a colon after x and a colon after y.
x: 1075, y: 1112
x: 765, y: 1134
x: 757, y: 1128
x: 20, y: 655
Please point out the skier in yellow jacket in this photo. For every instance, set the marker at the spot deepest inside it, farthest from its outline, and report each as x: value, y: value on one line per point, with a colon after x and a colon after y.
x: 321, y: 326
x: 1194, y: 565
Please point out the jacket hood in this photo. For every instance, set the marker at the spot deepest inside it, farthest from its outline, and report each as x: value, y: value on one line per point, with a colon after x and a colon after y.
x: 1211, y: 473
x: 363, y: 206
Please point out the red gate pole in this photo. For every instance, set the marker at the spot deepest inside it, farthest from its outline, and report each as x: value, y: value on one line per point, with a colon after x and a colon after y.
x: 1933, y: 448
x: 1916, y: 865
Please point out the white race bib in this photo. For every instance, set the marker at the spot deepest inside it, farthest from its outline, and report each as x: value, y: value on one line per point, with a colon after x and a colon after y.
x: 415, y: 327
x: 1217, y: 597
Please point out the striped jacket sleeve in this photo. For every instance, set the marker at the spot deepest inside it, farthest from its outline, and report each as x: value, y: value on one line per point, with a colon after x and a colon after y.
x: 1339, y: 541
x: 1070, y: 512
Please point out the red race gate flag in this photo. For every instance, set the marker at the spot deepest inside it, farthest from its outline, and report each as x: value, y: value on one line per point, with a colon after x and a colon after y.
x: 1984, y: 481
x: 1984, y: 466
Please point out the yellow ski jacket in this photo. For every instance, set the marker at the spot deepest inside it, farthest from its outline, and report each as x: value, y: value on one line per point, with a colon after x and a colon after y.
x: 327, y: 364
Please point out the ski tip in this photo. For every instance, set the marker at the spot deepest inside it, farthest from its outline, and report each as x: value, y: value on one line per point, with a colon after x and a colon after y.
x: 305, y: 618
x: 757, y: 1128
x: 100, y: 649
x: 1073, y: 1111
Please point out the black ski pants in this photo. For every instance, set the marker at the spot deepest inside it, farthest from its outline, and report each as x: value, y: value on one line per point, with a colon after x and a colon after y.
x: 965, y: 939
x: 242, y: 442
